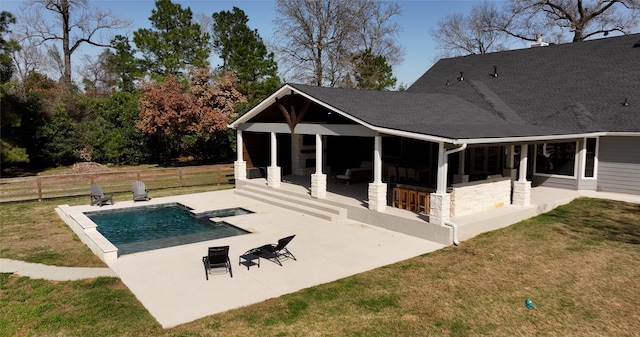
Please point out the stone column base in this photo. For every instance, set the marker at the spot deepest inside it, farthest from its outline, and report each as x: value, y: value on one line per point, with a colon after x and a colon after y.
x: 319, y: 185
x: 274, y: 176
x: 378, y: 197
x: 521, y: 193
x: 440, y: 211
x: 240, y: 170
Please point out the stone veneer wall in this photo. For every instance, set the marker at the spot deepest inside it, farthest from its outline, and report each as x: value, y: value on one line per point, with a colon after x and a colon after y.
x: 477, y: 196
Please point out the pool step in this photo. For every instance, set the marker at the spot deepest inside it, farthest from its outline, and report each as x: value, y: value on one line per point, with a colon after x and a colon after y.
x: 291, y: 201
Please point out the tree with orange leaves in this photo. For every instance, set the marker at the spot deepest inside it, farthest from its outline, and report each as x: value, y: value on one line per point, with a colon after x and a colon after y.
x: 191, y: 118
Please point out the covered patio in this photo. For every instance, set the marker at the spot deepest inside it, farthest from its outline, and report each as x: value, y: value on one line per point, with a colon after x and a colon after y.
x: 329, y: 136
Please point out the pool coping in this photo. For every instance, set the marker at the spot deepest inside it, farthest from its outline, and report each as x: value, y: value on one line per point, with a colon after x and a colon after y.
x: 86, y: 229
x: 88, y: 233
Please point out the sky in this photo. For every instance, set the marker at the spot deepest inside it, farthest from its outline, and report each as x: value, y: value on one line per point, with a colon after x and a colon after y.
x: 417, y: 19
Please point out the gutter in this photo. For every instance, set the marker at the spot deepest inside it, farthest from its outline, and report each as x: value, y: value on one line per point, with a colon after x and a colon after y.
x: 457, y: 149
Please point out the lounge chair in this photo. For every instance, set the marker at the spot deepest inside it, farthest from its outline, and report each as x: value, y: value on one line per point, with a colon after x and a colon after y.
x: 274, y: 252
x: 140, y: 192
x: 100, y: 198
x: 218, y: 257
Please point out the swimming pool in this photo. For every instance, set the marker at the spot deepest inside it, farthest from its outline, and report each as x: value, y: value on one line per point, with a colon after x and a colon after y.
x: 138, y: 229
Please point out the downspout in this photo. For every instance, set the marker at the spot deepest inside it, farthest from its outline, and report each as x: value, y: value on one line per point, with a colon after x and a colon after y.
x: 455, y: 232
x: 448, y: 223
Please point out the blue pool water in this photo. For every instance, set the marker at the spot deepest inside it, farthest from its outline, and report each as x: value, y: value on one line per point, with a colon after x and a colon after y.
x: 145, y: 228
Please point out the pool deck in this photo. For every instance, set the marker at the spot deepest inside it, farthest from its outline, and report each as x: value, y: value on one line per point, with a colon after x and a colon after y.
x: 171, y: 283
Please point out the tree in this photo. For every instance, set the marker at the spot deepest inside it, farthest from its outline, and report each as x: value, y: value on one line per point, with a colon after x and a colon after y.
x: 6, y: 47
x: 97, y: 76
x: 183, y: 118
x: 458, y: 35
x: 580, y: 18
x: 174, y: 42
x: 59, y: 139
x: 108, y: 131
x: 372, y: 72
x: 319, y: 38
x: 74, y: 24
x: 489, y: 28
x: 11, y: 150
x: 123, y: 63
x: 243, y: 52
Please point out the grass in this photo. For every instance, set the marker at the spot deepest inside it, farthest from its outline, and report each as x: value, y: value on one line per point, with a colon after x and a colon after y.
x: 32, y: 231
x: 580, y: 265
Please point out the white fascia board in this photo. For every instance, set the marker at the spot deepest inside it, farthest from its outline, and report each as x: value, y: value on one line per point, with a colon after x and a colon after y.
x: 283, y: 91
x: 623, y: 134
x: 528, y: 139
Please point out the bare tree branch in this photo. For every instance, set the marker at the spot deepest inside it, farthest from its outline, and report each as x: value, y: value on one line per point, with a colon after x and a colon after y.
x: 68, y: 24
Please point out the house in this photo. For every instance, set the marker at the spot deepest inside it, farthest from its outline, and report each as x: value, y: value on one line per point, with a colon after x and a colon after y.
x: 474, y: 132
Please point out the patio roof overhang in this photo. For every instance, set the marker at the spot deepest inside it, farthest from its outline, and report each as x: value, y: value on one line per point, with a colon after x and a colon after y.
x: 362, y: 128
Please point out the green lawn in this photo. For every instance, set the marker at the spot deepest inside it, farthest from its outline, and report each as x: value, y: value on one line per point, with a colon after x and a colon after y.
x: 580, y: 265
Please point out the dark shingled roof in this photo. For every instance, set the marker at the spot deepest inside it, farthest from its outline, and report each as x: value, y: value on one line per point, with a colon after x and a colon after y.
x: 571, y: 88
x: 435, y: 114
x: 581, y: 86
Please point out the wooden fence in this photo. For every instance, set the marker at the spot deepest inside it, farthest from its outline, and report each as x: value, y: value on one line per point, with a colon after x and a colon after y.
x: 55, y: 186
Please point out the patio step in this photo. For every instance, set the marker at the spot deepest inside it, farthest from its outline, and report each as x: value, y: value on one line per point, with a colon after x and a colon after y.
x: 291, y: 201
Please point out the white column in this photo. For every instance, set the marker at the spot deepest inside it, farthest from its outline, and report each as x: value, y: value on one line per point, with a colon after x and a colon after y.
x: 318, y: 179
x: 522, y: 187
x: 377, y: 189
x: 440, y: 205
x: 524, y: 158
x: 318, y: 154
x: 239, y: 166
x: 274, y: 171
x: 441, y: 180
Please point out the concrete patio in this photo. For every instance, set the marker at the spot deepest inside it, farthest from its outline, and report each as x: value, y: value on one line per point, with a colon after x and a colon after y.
x: 171, y: 283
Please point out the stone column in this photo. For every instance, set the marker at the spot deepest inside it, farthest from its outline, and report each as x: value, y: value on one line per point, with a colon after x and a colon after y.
x: 440, y: 204
x: 377, y: 193
x: 274, y: 171
x: 239, y: 166
x: 521, y: 193
x: 440, y: 208
x: 522, y: 187
x: 319, y: 179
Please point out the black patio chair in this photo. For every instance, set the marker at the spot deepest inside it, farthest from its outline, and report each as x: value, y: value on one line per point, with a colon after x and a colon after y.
x: 100, y: 198
x: 218, y: 257
x: 275, y: 252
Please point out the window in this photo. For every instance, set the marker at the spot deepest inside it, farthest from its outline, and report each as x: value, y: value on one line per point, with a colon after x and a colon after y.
x: 590, y: 163
x: 556, y: 158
